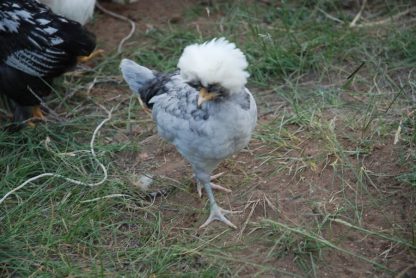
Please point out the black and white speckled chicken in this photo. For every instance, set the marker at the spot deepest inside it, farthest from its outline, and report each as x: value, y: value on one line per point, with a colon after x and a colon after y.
x: 36, y: 46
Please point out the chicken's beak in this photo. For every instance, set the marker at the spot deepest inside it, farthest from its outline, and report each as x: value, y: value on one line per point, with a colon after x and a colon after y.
x: 204, y: 96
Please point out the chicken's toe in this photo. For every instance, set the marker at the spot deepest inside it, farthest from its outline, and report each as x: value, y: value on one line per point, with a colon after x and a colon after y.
x: 217, y: 213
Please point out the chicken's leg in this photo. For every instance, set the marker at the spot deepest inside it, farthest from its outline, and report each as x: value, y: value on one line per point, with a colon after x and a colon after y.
x: 216, y: 212
x: 37, y: 112
x: 22, y: 113
x: 95, y: 53
x: 213, y: 185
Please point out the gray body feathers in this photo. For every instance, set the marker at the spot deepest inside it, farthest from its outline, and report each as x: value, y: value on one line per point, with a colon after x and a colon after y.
x: 203, y: 135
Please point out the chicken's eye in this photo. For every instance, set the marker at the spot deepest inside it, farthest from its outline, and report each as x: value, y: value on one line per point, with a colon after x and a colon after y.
x: 195, y: 84
x: 211, y: 88
x: 215, y: 88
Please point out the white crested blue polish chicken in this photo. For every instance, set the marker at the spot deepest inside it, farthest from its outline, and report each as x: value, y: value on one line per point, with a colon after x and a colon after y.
x: 204, y: 109
x: 36, y: 46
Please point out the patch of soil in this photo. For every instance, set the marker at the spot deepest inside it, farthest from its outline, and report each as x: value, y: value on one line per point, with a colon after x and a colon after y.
x: 146, y: 15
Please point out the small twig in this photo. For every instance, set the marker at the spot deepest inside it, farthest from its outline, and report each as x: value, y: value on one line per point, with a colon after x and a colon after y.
x: 105, y: 197
x: 66, y: 178
x: 403, y: 272
x: 397, y: 133
x: 356, y: 70
x: 386, y: 20
x: 358, y: 16
x: 42, y: 103
x: 253, y: 207
x: 91, y: 85
x: 121, y: 17
x: 318, y: 238
x: 68, y: 96
x: 331, y: 16
x: 380, y: 235
x: 374, y: 115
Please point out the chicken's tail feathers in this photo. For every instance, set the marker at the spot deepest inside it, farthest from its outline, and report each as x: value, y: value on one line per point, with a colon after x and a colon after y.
x: 135, y: 75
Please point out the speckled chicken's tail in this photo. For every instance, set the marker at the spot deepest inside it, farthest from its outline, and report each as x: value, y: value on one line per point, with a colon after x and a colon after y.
x: 135, y: 75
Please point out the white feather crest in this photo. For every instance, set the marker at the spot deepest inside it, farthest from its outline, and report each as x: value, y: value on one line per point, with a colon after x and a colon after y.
x: 215, y: 61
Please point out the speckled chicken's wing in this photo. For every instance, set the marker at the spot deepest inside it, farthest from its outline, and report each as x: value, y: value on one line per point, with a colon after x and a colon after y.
x: 38, y: 42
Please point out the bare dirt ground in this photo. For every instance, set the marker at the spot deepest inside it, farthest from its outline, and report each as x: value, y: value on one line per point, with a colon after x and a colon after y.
x: 302, y: 197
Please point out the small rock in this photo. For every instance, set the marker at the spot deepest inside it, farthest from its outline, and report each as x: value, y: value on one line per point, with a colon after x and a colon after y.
x: 175, y: 19
x: 144, y: 182
x: 144, y: 156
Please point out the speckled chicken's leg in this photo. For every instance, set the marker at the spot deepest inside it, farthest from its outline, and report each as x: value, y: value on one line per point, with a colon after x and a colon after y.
x: 213, y: 185
x: 216, y: 212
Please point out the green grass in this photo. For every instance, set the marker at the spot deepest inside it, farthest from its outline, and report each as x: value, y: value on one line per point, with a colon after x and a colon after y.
x: 322, y: 187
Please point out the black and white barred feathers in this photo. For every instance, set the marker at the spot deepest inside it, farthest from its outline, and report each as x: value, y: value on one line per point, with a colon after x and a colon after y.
x: 36, y: 46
